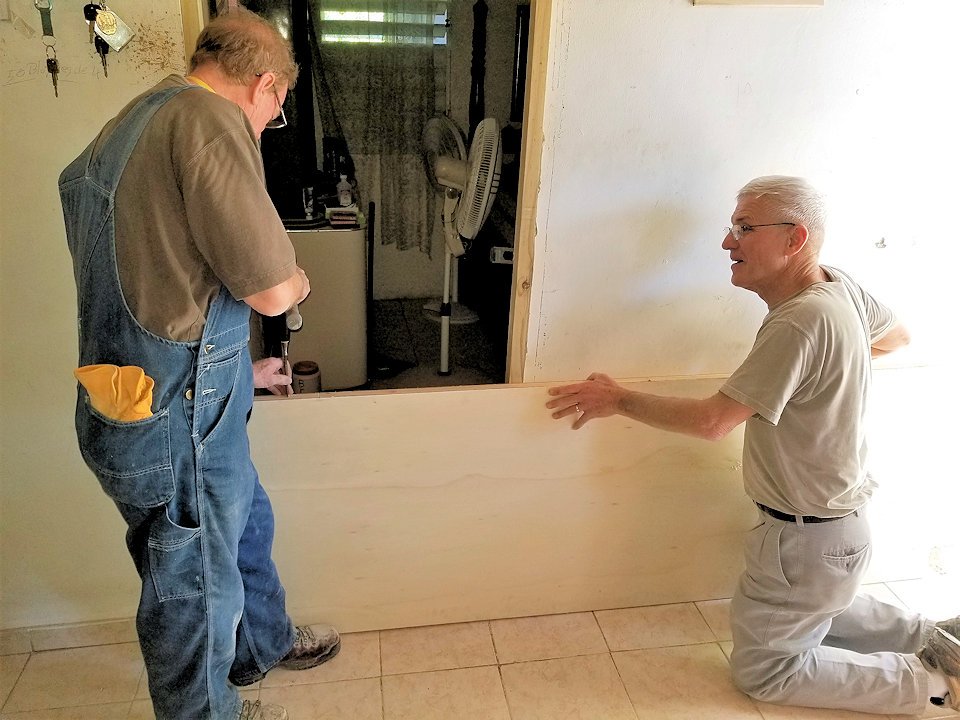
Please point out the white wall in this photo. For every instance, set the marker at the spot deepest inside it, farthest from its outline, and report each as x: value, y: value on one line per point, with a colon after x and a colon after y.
x: 657, y: 111
x: 57, y: 529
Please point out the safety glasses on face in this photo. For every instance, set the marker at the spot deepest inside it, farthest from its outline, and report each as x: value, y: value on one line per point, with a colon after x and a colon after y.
x: 277, y: 122
x: 738, y: 231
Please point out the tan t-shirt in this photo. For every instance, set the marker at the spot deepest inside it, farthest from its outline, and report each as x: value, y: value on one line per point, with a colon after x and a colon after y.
x: 807, y: 377
x: 193, y: 214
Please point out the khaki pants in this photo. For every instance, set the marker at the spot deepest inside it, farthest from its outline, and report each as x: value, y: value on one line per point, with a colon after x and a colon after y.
x: 802, y: 635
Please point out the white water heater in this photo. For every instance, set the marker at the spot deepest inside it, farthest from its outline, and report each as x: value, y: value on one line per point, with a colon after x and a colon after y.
x: 334, y: 332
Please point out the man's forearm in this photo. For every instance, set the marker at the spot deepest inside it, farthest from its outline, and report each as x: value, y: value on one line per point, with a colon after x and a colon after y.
x: 709, y: 419
x: 600, y: 396
x: 897, y: 337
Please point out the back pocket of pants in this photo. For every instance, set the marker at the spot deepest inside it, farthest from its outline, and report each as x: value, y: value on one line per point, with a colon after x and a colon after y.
x: 848, y: 558
x: 130, y: 459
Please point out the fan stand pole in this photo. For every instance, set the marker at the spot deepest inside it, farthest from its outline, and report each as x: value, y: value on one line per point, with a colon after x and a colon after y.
x: 455, y: 282
x: 445, y: 310
x: 459, y: 314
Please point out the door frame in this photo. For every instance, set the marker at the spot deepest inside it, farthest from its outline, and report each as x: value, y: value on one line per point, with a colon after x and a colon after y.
x: 531, y: 153
x: 194, y: 15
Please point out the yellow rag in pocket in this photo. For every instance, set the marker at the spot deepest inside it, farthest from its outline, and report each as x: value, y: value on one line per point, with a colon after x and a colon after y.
x: 120, y: 393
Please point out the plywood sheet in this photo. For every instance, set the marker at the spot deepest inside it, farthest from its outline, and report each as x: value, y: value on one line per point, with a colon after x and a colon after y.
x: 430, y: 507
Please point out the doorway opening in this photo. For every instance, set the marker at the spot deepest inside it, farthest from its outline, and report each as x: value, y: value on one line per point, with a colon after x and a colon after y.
x: 494, y: 275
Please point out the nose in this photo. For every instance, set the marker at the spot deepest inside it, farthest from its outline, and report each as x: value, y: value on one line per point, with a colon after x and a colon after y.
x: 729, y: 241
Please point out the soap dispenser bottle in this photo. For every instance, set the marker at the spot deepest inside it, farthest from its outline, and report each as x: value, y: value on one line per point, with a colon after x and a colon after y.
x: 344, y: 192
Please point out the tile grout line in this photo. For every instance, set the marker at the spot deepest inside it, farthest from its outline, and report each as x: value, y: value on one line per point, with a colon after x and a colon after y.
x: 606, y: 642
x: 705, y: 621
x: 503, y: 689
x: 493, y: 640
x: 13, y: 686
x: 623, y: 685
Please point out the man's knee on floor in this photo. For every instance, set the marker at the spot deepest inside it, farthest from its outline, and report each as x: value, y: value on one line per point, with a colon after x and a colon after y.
x: 764, y: 680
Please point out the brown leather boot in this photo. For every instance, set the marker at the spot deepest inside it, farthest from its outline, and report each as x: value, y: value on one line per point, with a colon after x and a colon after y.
x: 313, y: 645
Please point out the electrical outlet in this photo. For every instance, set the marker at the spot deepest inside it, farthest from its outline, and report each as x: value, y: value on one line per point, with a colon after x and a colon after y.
x: 501, y: 255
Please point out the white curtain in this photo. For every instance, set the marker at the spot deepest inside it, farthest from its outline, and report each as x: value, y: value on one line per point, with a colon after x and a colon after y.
x: 385, y: 66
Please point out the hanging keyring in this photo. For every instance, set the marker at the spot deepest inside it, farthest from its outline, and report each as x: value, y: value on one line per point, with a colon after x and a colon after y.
x: 46, y: 22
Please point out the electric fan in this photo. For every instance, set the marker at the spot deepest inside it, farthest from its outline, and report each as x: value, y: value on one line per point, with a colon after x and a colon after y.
x: 442, y: 138
x: 469, y: 187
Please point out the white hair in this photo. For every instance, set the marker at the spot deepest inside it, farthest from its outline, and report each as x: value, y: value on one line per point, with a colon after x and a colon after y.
x: 793, y: 198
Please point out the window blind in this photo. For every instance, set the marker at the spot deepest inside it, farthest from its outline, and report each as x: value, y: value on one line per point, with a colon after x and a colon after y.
x: 398, y: 22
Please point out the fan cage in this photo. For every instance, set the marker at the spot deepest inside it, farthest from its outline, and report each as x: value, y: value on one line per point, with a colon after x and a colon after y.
x: 484, y: 182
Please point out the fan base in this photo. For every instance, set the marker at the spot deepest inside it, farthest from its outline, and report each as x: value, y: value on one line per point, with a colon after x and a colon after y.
x: 459, y: 314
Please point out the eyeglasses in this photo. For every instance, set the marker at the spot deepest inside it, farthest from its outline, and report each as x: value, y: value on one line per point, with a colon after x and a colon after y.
x: 738, y: 231
x: 279, y: 122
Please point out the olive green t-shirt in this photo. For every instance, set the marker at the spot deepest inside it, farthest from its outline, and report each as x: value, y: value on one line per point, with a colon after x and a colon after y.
x: 193, y: 214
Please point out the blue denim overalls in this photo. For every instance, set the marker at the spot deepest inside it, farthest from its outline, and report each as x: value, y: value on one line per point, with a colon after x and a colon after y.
x: 200, y: 526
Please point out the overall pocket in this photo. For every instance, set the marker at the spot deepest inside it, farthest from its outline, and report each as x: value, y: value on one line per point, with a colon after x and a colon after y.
x: 176, y: 560
x: 213, y: 391
x: 130, y: 459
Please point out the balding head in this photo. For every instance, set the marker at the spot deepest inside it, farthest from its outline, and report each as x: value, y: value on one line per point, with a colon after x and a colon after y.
x: 243, y: 45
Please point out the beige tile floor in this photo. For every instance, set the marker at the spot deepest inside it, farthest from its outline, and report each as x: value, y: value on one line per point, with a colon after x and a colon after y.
x: 667, y: 662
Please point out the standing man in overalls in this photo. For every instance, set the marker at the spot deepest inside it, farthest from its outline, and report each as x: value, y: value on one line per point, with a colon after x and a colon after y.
x: 174, y: 239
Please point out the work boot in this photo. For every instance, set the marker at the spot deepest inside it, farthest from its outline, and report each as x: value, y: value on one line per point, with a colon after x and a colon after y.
x: 257, y: 711
x: 942, y: 653
x: 951, y: 626
x: 312, y: 647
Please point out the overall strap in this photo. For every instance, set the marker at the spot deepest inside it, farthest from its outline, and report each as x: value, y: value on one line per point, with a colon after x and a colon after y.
x: 107, y: 167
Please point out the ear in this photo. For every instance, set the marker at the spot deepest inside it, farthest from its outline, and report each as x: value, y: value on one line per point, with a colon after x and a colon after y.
x: 797, y: 239
x: 263, y: 83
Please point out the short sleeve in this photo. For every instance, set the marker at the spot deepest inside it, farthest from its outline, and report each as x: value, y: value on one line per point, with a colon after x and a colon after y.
x: 232, y: 218
x: 878, y: 319
x: 773, y: 372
